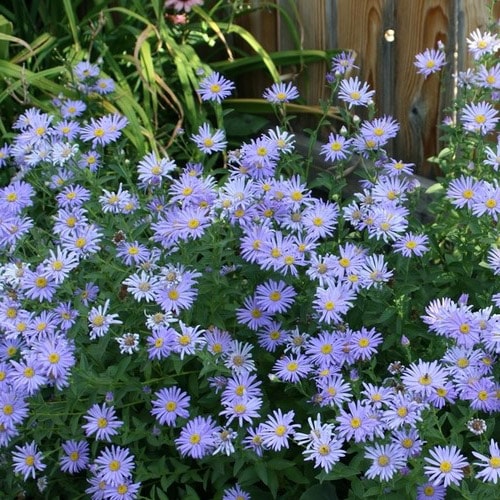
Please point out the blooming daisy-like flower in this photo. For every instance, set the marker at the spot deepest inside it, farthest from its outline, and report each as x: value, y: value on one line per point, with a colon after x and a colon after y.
x: 252, y: 314
x: 480, y: 44
x: 337, y: 148
x: 430, y: 61
x: 170, y: 403
x: 15, y: 197
x: 196, y: 437
x: 101, y: 421
x: 477, y: 426
x: 277, y: 429
x: 412, y: 244
x: 161, y: 342
x: 75, y: 457
x: 333, y: 390
x: 280, y: 93
x: 235, y: 493
x: 104, y: 130
x: 320, y: 218
x: 356, y: 422
x: 424, y: 377
x: 402, y: 410
x: 445, y: 465
x: 493, y: 156
x: 387, y: 459
x: 479, y: 117
x: 123, y: 490
x: 355, y: 92
x: 209, y: 142
x: 152, y: 171
x: 128, y: 343
x: 215, y: 88
x: 100, y: 321
x: 378, y: 131
x: 114, y: 464
x: 333, y: 302
x: 463, y: 192
x: 325, y: 450
x: 408, y: 441
x: 490, y: 465
x: 343, y: 62
x: 488, y: 201
x: 431, y: 491
x: 245, y: 409
x: 275, y: 296
x: 363, y: 343
x: 72, y: 108
x: 27, y: 459
x: 239, y: 357
x: 292, y: 368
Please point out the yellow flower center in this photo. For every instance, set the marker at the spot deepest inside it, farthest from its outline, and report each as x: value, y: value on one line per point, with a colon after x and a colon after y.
x: 355, y: 422
x: 41, y: 282
x: 280, y: 430
x: 114, y: 465
x: 171, y: 406
x: 445, y: 466
x: 383, y: 460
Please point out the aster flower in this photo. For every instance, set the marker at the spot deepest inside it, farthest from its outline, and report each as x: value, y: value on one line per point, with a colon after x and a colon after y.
x: 408, y: 441
x: 363, y: 343
x: 217, y: 341
x: 245, y: 409
x: 477, y: 426
x: 252, y: 314
x: 422, y: 377
x: 277, y: 429
x: 188, y: 340
x: 490, y: 465
x: 75, y: 457
x: 100, y: 321
x: 343, y: 62
x: 60, y: 263
x: 292, y: 368
x: 15, y: 197
x: 387, y: 459
x: 402, y: 410
x: 27, y: 459
x: 260, y: 157
x: 411, y: 244
x: 479, y: 117
x: 209, y: 142
x: 430, y: 61
x: 241, y: 386
x: 161, y: 342
x: 284, y: 140
x: 355, y: 92
x: 488, y: 201
x: 238, y: 357
x: 356, y: 423
x: 374, y: 271
x: 378, y: 131
x: 152, y: 171
x: 333, y: 390
x: 320, y: 218
x: 196, y: 437
x: 326, y: 451
x: 114, y: 465
x: 27, y: 375
x: 128, y: 343
x: 332, y: 302
x: 215, y: 88
x: 431, y: 491
x: 275, y: 296
x: 142, y: 286
x: 235, y: 493
x: 445, y: 465
x: 480, y: 44
x: 171, y: 403
x: 280, y: 93
x: 337, y: 148
x: 104, y: 130
x: 101, y: 421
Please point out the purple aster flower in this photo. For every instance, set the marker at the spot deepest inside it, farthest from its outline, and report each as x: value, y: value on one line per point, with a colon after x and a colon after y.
x: 271, y: 336
x: 209, y: 142
x: 431, y: 491
x: 480, y: 44
x: 170, y: 403
x: 445, y: 465
x: 72, y: 108
x: 463, y: 192
x: 333, y: 302
x: 275, y: 296
x: 402, y: 409
x: 114, y: 465
x: 277, y: 429
x: 378, y: 131
x: 75, y: 457
x: 101, y: 421
x: 122, y: 490
x: 12, y: 229
x: 292, y: 368
x: 100, y: 321
x: 60, y: 263
x: 88, y: 294
x: 37, y: 285
x: 215, y: 88
x: 337, y: 148
x: 245, y: 409
x: 175, y: 297
x: 260, y: 156
x: 235, y: 493
x: 356, y: 423
x: 343, y: 62
x: 408, y: 441
x: 161, y: 342
x: 27, y: 459
x: 196, y: 437
x: 487, y: 201
x: 85, y: 70
x: 333, y: 390
x: 481, y: 394
x: 253, y: 440
x: 284, y: 140
x: 72, y: 196
x: 4, y: 155
x: 363, y: 343
x: 217, y: 341
x: 479, y: 117
x: 325, y: 451
x: 355, y: 92
x: 152, y: 171
x: 424, y: 377
x: 412, y: 244
x: 189, y: 340
x: 319, y: 219
x: 90, y: 159
x: 238, y: 357
x: 374, y: 271
x: 489, y: 465
x: 252, y: 314
x: 280, y: 93
x: 387, y: 459
x: 132, y: 253
x: 13, y: 408
x: 242, y: 386
x: 142, y: 285
x: 104, y: 130
x: 104, y: 86
x: 493, y: 260
x: 430, y: 61
x: 27, y: 375
x: 15, y: 197
x: 55, y: 353
x: 324, y: 349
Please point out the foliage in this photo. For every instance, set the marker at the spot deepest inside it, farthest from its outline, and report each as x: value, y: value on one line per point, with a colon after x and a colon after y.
x: 203, y: 306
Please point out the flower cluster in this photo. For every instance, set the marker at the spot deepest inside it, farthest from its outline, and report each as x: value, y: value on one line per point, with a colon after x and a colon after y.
x: 159, y: 312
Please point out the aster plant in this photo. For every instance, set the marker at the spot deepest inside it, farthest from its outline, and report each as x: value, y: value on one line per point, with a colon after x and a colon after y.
x: 209, y: 326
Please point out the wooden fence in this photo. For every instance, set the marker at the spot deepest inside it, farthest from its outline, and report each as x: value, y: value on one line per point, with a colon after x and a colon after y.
x: 386, y: 35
